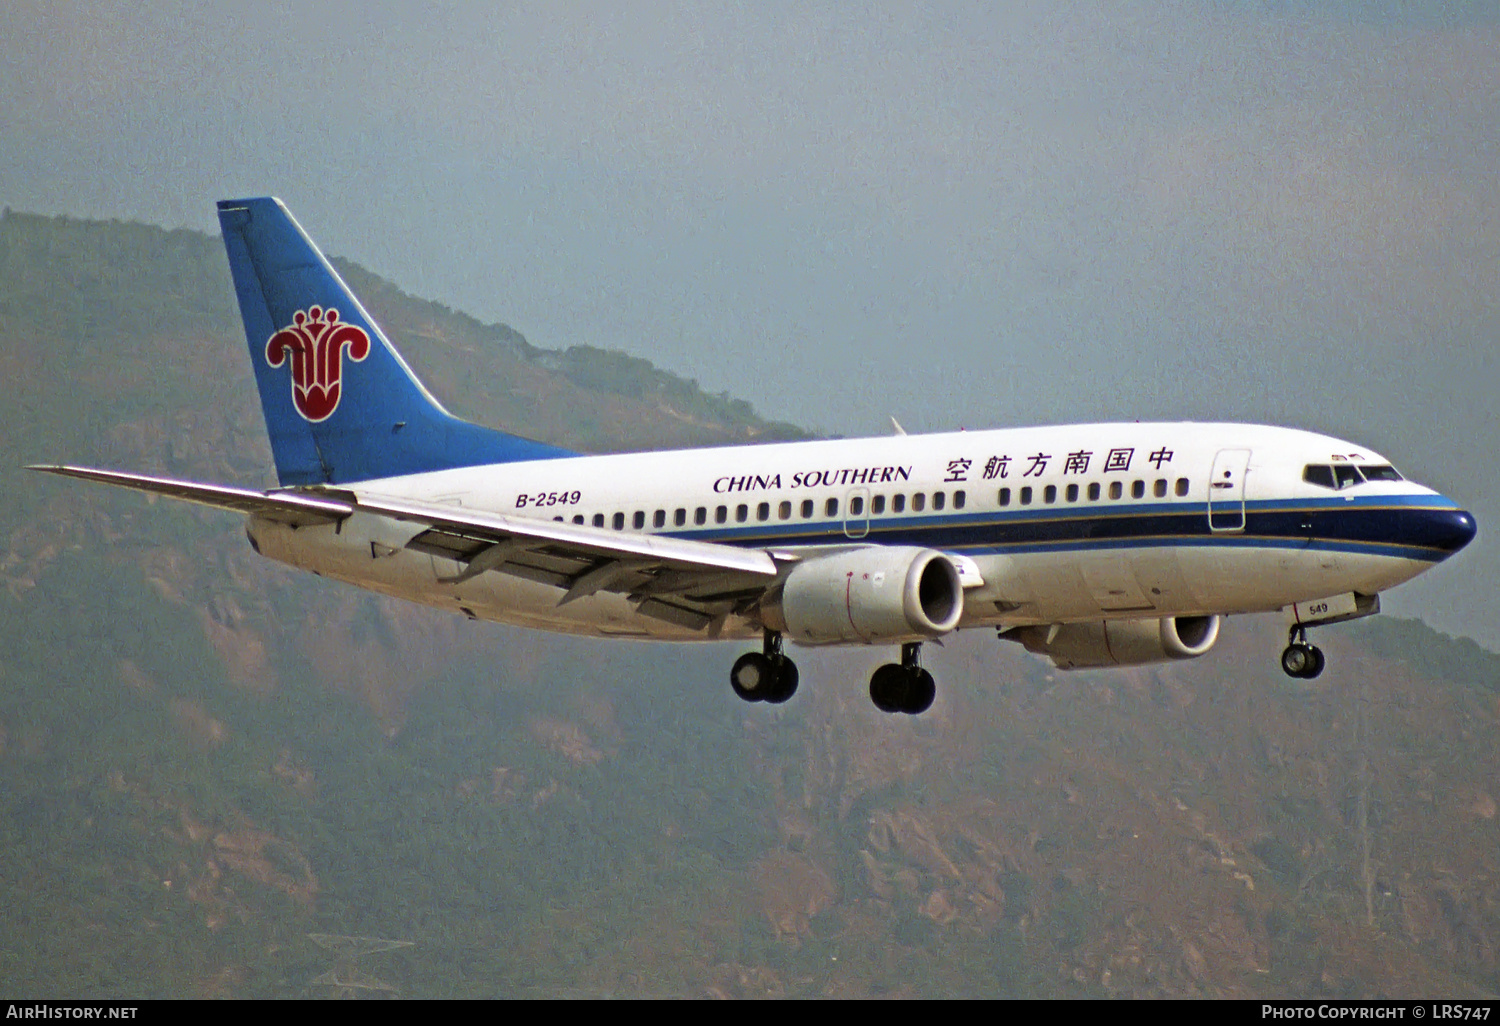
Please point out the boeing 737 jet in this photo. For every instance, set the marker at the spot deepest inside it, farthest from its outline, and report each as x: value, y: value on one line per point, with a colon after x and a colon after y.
x: 1095, y: 545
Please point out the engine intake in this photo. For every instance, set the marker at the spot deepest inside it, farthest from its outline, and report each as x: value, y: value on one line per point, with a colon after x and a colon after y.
x: 1076, y: 646
x: 875, y: 595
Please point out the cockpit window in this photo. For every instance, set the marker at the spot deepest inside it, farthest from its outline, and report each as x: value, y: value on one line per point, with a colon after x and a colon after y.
x: 1339, y: 476
x: 1318, y: 474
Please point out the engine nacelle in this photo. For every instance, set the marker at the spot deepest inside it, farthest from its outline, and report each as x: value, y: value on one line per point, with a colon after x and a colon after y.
x: 876, y: 595
x: 1077, y: 646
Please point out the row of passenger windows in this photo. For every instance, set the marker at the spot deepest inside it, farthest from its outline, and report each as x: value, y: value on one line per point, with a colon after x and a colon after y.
x: 1339, y: 476
x: 1116, y: 491
x: 918, y: 503
x: 783, y: 509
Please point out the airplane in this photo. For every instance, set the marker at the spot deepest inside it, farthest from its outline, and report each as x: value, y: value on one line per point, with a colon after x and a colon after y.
x: 1095, y: 545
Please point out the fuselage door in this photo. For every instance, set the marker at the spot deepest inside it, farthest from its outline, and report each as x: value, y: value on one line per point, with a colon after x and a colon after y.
x: 1226, y: 491
x: 857, y: 513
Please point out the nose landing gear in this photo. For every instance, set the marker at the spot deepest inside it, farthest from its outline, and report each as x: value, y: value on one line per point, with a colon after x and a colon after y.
x: 765, y: 676
x: 903, y: 688
x: 1299, y: 659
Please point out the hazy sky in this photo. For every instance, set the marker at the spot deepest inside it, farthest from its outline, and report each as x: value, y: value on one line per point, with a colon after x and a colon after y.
x: 962, y: 215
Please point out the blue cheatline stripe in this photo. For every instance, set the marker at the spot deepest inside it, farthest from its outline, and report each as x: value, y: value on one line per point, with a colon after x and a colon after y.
x: 1426, y: 528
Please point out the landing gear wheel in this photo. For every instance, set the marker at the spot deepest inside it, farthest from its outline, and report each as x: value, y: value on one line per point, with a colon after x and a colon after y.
x: 903, y: 687
x: 921, y: 690
x: 888, y: 688
x: 766, y: 676
x: 784, y: 686
x: 1302, y: 660
x: 1299, y: 659
x: 1318, y: 661
x: 753, y: 677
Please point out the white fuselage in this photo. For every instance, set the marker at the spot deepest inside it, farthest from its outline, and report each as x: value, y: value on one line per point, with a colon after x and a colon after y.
x: 1055, y: 524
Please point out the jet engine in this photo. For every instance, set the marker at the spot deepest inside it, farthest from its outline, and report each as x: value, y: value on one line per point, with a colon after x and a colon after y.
x: 875, y: 595
x: 1077, y: 646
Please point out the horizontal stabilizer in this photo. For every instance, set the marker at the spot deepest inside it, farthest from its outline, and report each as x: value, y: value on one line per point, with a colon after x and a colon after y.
x: 283, y: 507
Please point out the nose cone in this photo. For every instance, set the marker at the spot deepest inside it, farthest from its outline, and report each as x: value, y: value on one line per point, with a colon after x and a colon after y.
x: 1450, y: 530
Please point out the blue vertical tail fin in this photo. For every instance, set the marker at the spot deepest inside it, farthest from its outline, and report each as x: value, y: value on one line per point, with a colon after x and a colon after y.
x: 340, y: 403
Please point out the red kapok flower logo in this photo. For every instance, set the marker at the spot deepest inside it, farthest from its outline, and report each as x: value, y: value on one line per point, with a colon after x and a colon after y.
x: 314, y: 342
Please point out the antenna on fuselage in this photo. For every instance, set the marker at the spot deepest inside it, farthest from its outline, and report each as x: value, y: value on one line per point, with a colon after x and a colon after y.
x: 896, y: 424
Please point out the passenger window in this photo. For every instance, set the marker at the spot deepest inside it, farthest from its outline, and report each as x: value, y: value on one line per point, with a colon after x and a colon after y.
x: 619, y: 522
x: 598, y: 519
x: 639, y: 520
x: 721, y: 514
x: 939, y: 500
x: 877, y: 504
x: 659, y: 518
x: 856, y: 505
x: 1182, y: 486
x: 679, y: 518
x: 784, y: 511
x: 898, y: 504
x: 1049, y: 494
x: 831, y: 508
x: 918, y: 502
x: 558, y: 519
x: 959, y: 499
x: 1160, y: 488
x: 763, y: 511
x: 578, y: 518
x: 1072, y: 493
x: 741, y: 513
x: 700, y: 515
x: 1094, y: 492
x: 1137, y: 489
x: 1115, y: 490
x: 1026, y: 496
x: 807, y: 509
x: 1005, y: 496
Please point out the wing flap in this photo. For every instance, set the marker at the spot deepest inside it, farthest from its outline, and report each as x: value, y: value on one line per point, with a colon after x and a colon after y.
x: 572, y: 540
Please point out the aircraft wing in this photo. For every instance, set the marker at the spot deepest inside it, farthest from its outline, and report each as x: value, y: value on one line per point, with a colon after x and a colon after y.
x: 690, y: 583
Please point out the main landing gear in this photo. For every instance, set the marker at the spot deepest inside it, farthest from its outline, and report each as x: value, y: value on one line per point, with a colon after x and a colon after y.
x: 1299, y: 659
x: 905, y: 688
x: 766, y: 676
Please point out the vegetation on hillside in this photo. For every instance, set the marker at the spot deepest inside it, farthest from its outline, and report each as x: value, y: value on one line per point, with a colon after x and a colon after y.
x: 206, y: 760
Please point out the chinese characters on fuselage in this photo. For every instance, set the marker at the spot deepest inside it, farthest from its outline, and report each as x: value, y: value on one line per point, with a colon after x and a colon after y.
x: 998, y: 465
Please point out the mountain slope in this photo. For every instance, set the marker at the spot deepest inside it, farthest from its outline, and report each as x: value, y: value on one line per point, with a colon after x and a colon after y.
x: 205, y: 758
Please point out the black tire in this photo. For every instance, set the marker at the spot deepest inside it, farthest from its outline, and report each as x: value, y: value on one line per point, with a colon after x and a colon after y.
x: 1317, y: 663
x: 784, y: 686
x: 888, y: 688
x: 752, y: 677
x: 1296, y: 660
x: 920, y: 691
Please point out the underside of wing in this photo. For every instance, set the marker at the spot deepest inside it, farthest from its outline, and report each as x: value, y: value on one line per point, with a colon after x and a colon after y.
x: 689, y: 583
